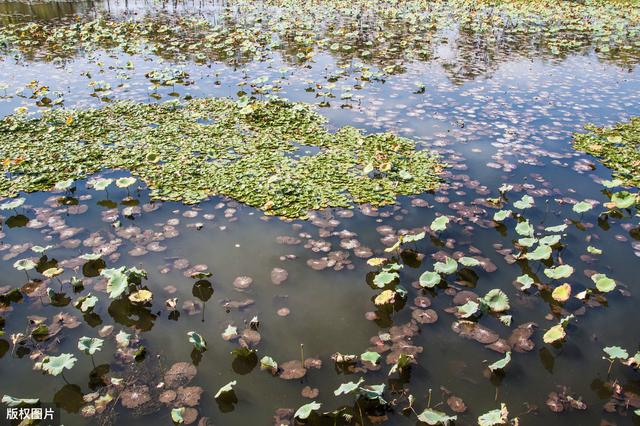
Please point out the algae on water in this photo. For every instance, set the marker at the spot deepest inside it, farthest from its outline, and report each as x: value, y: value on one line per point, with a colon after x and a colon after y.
x: 214, y: 146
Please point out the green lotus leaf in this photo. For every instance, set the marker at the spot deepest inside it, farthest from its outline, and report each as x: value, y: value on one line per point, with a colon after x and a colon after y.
x: 347, y: 388
x: 439, y: 224
x: 582, y: 207
x: 525, y: 229
x: 197, y: 340
x: 501, y: 363
x: 526, y: 281
x: 559, y: 272
x: 90, y: 345
x: 16, y: 402
x: 224, y: 389
x: 430, y: 279
x: 449, y: 266
x: 24, y: 264
x: 603, y: 283
x: 305, y: 411
x: 616, y: 352
x: 177, y: 415
x: 496, y: 300
x: 372, y: 357
x: 55, y: 364
x: 117, y: 281
x: 13, y: 204
x: 525, y: 202
x: 501, y: 215
x: 494, y: 417
x: 468, y: 309
x: 435, y: 417
x: 384, y: 277
x: 469, y: 261
x: 541, y: 252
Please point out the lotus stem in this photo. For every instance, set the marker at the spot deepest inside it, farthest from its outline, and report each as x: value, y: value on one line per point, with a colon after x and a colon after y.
x: 302, y: 354
x: 429, y: 400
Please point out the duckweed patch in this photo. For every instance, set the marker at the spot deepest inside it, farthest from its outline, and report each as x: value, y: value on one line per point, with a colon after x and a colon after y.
x: 190, y: 151
x: 618, y: 147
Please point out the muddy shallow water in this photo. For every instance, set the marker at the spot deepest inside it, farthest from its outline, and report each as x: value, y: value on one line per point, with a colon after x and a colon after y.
x: 497, y: 115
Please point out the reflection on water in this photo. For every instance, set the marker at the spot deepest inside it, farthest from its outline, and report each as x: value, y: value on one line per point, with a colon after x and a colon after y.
x: 499, y: 106
x: 16, y: 11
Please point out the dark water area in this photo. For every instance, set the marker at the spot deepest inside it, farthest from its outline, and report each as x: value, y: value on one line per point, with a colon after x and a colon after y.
x: 500, y: 109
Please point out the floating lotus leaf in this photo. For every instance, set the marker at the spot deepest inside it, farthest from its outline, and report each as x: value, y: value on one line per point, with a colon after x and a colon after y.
x: 16, y: 402
x: 24, y: 264
x: 197, y: 340
x: 430, y: 279
x: 582, y: 207
x: 559, y: 272
x: 384, y: 277
x: 557, y: 228
x: 90, y: 345
x: 541, y: 252
x: 101, y: 184
x: 603, y: 283
x: 469, y: 261
x: 501, y: 363
x: 526, y: 281
x: 125, y: 182
x: 439, y: 224
x: 525, y: 202
x: 468, y: 309
x: 524, y: 228
x: 224, y: 389
x: 561, y: 293
x: 554, y: 334
x: 55, y: 364
x: 496, y: 300
x: 501, y: 215
x: 267, y: 363
x: 495, y: 417
x: 141, y: 296
x: 347, y: 388
x: 449, y: 266
x: 372, y: 357
x: 305, y: 411
x: 435, y: 417
x: 616, y: 352
x: 13, y: 204
x: 117, y: 281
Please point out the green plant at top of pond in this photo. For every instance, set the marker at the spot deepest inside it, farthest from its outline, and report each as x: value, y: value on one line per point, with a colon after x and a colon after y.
x: 214, y: 146
x: 618, y: 148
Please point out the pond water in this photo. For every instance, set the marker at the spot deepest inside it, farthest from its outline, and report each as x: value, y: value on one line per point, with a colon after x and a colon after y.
x: 499, y: 108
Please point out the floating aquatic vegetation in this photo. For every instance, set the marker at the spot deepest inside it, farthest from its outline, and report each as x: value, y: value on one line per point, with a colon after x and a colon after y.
x: 241, y: 152
x: 618, y: 147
